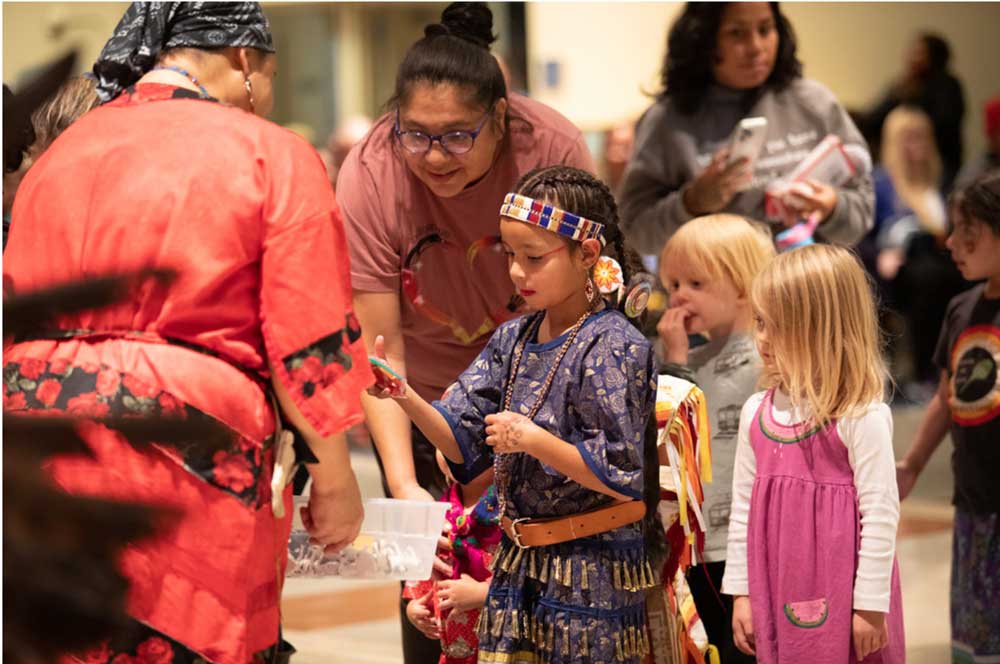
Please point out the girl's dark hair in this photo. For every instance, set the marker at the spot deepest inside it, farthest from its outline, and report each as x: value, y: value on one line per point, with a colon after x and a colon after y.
x: 980, y: 200
x: 583, y: 194
x: 455, y: 51
x: 687, y: 72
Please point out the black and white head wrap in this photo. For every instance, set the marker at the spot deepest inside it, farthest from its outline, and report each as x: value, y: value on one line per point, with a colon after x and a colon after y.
x: 148, y: 28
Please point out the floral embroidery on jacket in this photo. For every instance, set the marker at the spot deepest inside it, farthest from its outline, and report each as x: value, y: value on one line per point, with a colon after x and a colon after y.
x: 323, y: 362
x: 141, y: 644
x: 89, y: 390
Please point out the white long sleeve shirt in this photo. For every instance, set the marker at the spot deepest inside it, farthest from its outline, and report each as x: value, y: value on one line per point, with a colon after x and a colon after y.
x: 868, y: 438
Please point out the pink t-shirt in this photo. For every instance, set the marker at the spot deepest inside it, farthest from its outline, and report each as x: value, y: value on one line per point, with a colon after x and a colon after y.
x: 443, y: 254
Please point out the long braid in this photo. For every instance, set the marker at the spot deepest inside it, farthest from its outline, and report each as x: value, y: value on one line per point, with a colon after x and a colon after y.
x: 581, y: 193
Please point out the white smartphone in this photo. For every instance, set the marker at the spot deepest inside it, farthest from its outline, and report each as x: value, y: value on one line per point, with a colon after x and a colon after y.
x: 747, y: 140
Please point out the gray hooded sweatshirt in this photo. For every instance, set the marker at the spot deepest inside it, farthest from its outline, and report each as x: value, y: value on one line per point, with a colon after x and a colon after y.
x: 672, y: 148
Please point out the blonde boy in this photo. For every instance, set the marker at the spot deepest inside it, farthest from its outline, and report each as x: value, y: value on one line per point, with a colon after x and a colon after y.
x: 707, y: 266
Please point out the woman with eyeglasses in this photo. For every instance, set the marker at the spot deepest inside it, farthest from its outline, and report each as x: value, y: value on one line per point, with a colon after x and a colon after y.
x: 420, y: 196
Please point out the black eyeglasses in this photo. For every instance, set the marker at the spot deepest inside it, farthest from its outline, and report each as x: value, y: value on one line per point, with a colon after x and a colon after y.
x: 454, y: 142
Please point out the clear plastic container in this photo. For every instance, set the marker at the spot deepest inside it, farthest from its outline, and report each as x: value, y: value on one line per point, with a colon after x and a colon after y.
x: 398, y: 540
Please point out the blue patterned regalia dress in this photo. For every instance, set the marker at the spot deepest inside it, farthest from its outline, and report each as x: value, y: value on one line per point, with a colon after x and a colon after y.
x: 583, y: 600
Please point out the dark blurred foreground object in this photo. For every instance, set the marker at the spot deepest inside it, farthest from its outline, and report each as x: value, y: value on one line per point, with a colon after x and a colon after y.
x: 63, y: 591
x: 33, y: 311
x: 18, y: 107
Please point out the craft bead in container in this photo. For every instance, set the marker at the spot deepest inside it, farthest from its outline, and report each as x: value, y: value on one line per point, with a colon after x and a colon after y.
x: 398, y: 540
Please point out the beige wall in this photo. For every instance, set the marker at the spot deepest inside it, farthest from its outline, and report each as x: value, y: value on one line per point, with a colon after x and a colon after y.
x: 610, y: 52
x: 36, y: 32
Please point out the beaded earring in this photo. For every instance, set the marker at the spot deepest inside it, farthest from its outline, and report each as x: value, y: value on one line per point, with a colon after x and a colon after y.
x: 249, y: 88
x: 590, y: 291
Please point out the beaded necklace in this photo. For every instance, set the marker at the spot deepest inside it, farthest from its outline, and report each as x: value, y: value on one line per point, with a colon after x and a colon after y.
x: 502, y: 462
x: 185, y: 73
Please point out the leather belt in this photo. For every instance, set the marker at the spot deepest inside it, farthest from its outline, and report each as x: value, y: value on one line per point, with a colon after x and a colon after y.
x: 526, y: 532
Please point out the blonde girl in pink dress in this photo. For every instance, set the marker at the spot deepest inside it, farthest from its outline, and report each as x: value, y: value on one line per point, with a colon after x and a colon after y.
x: 812, y: 535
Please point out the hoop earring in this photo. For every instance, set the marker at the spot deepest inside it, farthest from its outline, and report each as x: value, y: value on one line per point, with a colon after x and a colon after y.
x: 249, y: 88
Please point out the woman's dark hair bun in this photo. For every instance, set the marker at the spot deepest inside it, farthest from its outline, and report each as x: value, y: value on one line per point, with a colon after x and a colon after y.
x: 471, y: 21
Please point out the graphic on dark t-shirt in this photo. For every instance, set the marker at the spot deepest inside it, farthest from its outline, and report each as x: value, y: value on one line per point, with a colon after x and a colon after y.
x: 974, y: 384
x: 969, y: 351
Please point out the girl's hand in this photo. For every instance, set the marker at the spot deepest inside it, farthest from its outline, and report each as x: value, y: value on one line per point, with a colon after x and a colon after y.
x: 386, y: 386
x: 418, y: 612
x: 462, y: 594
x: 672, y: 329
x: 870, y: 632
x: 509, y: 432
x: 413, y: 491
x: 443, y: 555
x: 743, y: 635
x: 805, y: 198
x: 716, y: 185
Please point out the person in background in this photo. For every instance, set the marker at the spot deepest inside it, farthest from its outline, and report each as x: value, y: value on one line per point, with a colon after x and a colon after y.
x: 77, y: 96
x: 726, y: 62
x: 618, y: 143
x: 927, y: 83
x: 340, y: 142
x: 448, y: 608
x: 990, y: 159
x: 912, y: 266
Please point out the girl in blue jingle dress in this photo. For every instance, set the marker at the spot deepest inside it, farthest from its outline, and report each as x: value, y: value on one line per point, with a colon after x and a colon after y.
x: 559, y: 402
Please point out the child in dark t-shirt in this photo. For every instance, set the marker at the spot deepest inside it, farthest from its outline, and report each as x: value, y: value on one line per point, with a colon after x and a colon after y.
x: 968, y: 401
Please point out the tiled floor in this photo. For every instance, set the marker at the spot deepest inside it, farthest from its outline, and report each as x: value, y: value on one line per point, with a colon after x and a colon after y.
x: 350, y: 622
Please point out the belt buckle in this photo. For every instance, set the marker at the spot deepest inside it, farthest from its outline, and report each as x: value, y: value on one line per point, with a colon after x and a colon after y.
x: 515, y: 534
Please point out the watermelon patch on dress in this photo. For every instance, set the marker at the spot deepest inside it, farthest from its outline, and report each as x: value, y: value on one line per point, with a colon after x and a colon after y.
x: 807, y: 614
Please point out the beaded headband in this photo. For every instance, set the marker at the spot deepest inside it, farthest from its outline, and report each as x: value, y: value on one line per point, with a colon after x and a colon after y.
x: 551, y: 218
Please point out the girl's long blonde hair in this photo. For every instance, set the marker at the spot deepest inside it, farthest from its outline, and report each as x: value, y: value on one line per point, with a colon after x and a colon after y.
x: 816, y: 306
x: 918, y: 184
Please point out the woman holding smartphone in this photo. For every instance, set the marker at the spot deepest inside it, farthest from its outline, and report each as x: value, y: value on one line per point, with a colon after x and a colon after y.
x: 681, y: 167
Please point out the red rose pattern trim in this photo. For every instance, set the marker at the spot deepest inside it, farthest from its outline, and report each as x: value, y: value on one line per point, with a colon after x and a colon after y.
x: 91, y: 391
x: 155, y: 651
x: 322, y: 363
x: 141, y: 644
x: 48, y: 392
x: 32, y: 369
x: 17, y: 401
x: 233, y: 471
x: 108, y: 382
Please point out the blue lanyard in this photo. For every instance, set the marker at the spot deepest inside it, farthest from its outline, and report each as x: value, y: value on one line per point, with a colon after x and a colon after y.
x: 186, y: 74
